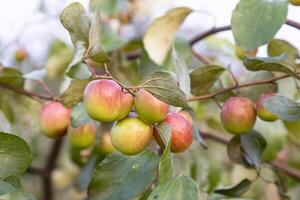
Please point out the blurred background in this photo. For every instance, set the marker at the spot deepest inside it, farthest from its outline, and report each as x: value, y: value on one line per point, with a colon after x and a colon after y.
x: 34, y: 26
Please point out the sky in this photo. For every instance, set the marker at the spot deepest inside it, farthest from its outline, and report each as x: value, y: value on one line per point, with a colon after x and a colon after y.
x: 34, y: 29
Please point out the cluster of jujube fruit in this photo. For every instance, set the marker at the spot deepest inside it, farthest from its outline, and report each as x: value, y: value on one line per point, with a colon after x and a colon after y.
x: 134, y: 120
x: 238, y: 114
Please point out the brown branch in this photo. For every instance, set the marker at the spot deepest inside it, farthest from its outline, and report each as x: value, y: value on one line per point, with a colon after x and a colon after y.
x: 224, y: 139
x: 27, y: 93
x: 221, y: 91
x: 227, y: 28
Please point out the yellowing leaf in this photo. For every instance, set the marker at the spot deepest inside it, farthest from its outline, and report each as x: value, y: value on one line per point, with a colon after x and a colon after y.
x: 160, y: 35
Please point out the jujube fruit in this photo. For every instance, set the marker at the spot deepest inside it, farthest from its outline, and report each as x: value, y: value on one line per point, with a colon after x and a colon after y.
x: 131, y: 135
x: 150, y: 109
x: 238, y: 115
x: 261, y: 111
x: 83, y: 136
x: 102, y: 100
x: 181, y: 136
x: 295, y: 2
x: 20, y: 54
x: 105, y: 145
x: 186, y: 115
x: 54, y: 119
x: 126, y: 104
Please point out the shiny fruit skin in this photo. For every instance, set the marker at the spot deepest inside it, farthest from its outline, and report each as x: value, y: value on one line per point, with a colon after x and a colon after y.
x: 238, y: 115
x: 261, y: 111
x: 150, y: 109
x: 241, y: 53
x: 131, y: 135
x: 102, y: 100
x: 186, y: 115
x: 83, y: 136
x: 295, y: 2
x: 54, y: 119
x: 105, y: 145
x: 20, y: 55
x: 126, y: 105
x: 181, y: 136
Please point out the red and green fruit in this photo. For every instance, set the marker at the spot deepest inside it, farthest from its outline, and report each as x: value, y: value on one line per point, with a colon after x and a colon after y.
x: 20, y: 54
x: 150, y: 109
x: 54, y: 119
x: 131, y: 135
x: 261, y: 111
x: 186, y: 115
x: 102, y: 100
x: 83, y: 136
x: 238, y: 115
x: 126, y: 105
x: 181, y: 136
x: 105, y: 145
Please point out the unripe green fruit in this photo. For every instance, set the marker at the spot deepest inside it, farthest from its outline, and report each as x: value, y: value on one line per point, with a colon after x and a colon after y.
x: 238, y: 115
x: 131, y: 135
x: 261, y: 111
x: 54, y: 119
x: 20, y: 54
x: 186, y: 115
x: 181, y: 136
x: 102, y: 100
x: 126, y: 104
x: 105, y: 145
x: 241, y: 53
x: 295, y: 2
x: 294, y: 128
x: 150, y: 109
x: 83, y: 136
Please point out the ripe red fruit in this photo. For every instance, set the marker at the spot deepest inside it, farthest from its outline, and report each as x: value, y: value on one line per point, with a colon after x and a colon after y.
x: 54, y: 119
x: 102, y: 100
x: 150, y: 109
x: 181, y: 136
x: 261, y: 111
x: 131, y: 135
x: 105, y: 145
x: 83, y: 136
x: 238, y: 115
x: 20, y: 54
x: 186, y: 115
x: 126, y: 104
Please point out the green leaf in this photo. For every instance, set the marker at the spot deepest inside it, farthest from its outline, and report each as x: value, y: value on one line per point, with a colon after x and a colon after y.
x: 11, y: 77
x: 76, y: 21
x: 110, y: 40
x: 235, y: 153
x: 182, y: 73
x: 5, y: 188
x: 164, y: 87
x: 253, y: 145
x: 6, y: 108
x: 17, y: 195
x: 278, y: 47
x: 179, y: 188
x: 74, y: 94
x: 106, y: 7
x: 203, y: 78
x: 123, y: 176
x: 236, y: 190
x: 255, y: 22
x: 160, y: 34
x: 14, y: 181
x: 79, y: 116
x: 166, y: 167
x: 77, y: 59
x: 273, y: 64
x: 285, y: 108
x: 15, y: 155
x: 95, y: 50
